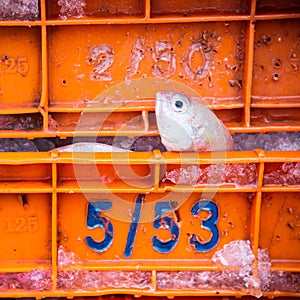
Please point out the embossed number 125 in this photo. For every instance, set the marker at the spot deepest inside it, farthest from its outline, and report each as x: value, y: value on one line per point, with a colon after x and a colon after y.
x: 13, y: 65
x: 21, y: 224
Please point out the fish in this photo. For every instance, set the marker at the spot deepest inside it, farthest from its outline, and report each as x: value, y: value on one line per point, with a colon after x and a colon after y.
x: 91, y: 147
x: 186, y: 124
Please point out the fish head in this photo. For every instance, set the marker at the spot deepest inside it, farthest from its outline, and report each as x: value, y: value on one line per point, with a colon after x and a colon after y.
x: 174, y: 114
x: 170, y: 103
x: 188, y: 125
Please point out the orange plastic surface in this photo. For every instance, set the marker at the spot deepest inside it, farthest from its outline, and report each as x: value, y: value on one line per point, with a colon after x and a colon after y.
x: 250, y: 57
x: 44, y: 207
x: 130, y: 297
x: 252, y: 84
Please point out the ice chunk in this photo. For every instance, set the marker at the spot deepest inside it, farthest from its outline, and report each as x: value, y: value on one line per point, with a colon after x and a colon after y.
x: 95, y: 280
x: 273, y: 281
x: 236, y: 253
x: 189, y: 175
x: 238, y: 258
x: 79, y: 280
x: 239, y: 174
x: 35, y: 280
x: 272, y: 141
x: 283, y: 282
x: 67, y: 258
x: 281, y: 141
x: 287, y: 174
x: 127, y: 279
x: 71, y: 8
x: 247, y: 141
x: 182, y: 280
x: 208, y: 280
x: 239, y: 254
x: 264, y: 268
x: 238, y: 261
x: 19, y: 10
x: 232, y: 254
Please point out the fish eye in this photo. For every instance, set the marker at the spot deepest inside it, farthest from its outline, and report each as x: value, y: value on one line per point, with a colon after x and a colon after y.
x: 180, y: 103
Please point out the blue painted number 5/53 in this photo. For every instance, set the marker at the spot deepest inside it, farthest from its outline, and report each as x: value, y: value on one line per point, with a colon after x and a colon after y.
x: 166, y: 223
x: 94, y: 220
x: 209, y: 224
x: 161, y: 221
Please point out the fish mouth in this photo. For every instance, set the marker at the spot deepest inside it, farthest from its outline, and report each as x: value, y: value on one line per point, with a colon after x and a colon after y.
x: 158, y: 104
x: 164, y: 95
x: 162, y: 99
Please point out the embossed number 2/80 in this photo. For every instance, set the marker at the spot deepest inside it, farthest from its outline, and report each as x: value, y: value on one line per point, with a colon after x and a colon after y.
x: 94, y: 220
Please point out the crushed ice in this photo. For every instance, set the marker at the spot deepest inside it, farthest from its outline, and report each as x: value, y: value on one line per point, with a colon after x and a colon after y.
x: 271, y: 141
x: 264, y: 268
x: 35, y: 280
x: 95, y: 280
x: 25, y: 10
x: 238, y: 260
x: 287, y: 174
x: 71, y: 8
x: 238, y: 254
x: 239, y: 174
x: 284, y: 282
x: 67, y: 258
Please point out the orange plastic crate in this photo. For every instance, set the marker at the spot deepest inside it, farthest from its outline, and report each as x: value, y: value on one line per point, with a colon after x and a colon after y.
x: 132, y: 241
x: 47, y: 213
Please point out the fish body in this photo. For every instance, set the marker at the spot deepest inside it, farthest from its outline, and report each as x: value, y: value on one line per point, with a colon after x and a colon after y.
x: 91, y: 147
x: 188, y: 125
